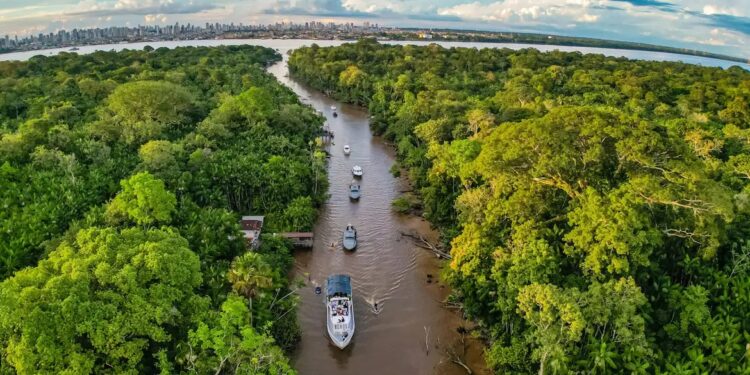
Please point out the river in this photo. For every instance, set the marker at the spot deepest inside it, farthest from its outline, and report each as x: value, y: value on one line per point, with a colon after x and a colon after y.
x: 412, y: 331
x: 284, y: 45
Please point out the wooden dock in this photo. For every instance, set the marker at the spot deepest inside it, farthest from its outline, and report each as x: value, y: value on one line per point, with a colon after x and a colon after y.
x: 300, y: 239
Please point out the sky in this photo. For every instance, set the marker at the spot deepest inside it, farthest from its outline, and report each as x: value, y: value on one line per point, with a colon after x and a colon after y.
x: 720, y: 26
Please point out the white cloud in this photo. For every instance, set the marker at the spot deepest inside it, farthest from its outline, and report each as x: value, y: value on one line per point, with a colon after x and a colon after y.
x: 558, y: 12
x: 711, y: 9
x: 141, y: 7
x: 398, y: 6
x: 587, y: 18
x: 151, y: 18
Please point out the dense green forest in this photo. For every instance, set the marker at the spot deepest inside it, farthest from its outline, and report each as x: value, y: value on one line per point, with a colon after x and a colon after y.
x: 122, y: 179
x: 596, y: 207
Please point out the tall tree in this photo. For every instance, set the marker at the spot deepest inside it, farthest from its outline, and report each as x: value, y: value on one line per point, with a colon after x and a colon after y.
x: 107, y: 301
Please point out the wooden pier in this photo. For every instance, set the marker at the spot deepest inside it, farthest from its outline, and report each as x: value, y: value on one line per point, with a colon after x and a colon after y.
x: 300, y: 239
x: 251, y: 227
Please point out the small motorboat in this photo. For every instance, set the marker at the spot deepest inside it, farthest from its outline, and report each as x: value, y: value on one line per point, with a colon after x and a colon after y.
x: 333, y: 108
x: 357, y: 171
x: 339, y: 310
x: 355, y: 191
x: 347, y: 150
x: 350, y: 238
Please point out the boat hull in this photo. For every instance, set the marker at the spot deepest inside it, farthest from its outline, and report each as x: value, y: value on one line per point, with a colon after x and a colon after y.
x: 339, y: 306
x: 357, y: 171
x: 354, y: 192
x: 350, y: 244
x: 340, y: 342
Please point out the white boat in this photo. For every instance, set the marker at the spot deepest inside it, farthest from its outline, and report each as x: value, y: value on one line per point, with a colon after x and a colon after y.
x: 357, y: 171
x: 355, y: 191
x: 339, y: 310
x: 347, y: 150
x: 350, y: 238
x: 333, y: 108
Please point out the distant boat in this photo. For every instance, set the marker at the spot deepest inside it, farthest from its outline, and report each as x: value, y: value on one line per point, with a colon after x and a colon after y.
x: 333, y: 108
x: 355, y: 190
x: 350, y: 238
x: 339, y: 310
x: 347, y: 150
x: 357, y: 171
x: 74, y: 49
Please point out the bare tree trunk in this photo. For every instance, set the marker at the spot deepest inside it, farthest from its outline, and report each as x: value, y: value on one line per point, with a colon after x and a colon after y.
x: 541, y: 364
x: 423, y: 243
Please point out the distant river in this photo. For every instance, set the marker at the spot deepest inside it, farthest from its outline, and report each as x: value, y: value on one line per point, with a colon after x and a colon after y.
x: 283, y: 45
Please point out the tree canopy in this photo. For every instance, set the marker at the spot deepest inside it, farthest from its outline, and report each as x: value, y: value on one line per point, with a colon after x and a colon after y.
x: 596, y: 207
x: 122, y: 179
x: 143, y: 200
x: 105, y: 302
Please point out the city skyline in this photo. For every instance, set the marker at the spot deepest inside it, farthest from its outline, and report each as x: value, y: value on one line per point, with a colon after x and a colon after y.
x: 714, y: 26
x: 176, y: 31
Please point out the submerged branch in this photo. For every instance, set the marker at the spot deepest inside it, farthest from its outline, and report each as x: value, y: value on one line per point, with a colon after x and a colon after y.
x: 456, y: 358
x: 427, y: 245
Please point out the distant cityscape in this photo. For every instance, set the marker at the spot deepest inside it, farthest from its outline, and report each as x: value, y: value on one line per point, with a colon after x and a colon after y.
x: 177, y: 31
x: 311, y: 30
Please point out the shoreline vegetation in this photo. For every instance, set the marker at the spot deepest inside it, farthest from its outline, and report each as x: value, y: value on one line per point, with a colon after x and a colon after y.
x: 450, y: 35
x: 123, y: 176
x: 562, y: 40
x: 595, y: 208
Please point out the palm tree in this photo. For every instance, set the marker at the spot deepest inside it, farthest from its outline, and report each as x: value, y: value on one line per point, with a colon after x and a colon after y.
x: 248, y: 275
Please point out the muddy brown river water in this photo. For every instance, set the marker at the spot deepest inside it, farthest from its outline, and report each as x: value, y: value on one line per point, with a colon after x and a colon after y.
x: 386, y: 268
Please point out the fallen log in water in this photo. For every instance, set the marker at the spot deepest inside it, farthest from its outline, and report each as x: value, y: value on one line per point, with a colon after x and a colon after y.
x: 427, y: 245
x: 458, y: 358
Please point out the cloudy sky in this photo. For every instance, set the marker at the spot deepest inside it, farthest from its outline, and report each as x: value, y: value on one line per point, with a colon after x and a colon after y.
x: 721, y: 26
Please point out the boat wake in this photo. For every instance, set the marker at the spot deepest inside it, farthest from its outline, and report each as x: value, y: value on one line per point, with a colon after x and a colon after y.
x: 376, y: 307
